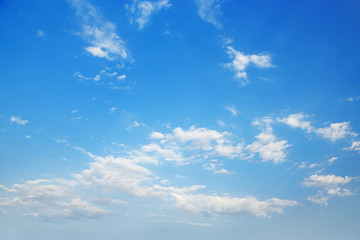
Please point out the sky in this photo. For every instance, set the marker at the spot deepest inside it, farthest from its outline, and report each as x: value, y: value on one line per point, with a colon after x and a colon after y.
x: 169, y: 119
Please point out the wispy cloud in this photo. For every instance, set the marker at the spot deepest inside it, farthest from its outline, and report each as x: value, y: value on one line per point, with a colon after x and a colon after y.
x: 209, y: 11
x: 355, y: 146
x: 100, y: 34
x: 233, y: 110
x: 142, y: 11
x: 40, y: 33
x: 240, y: 61
x: 18, y: 120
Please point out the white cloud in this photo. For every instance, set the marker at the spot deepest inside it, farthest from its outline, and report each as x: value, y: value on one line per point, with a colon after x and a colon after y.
x: 168, y: 153
x: 54, y: 199
x: 330, y: 186
x: 117, y: 175
x: 201, y: 143
x: 156, y: 135
x: 214, y: 167
x: 142, y: 11
x: 211, y: 205
x: 109, y: 201
x: 101, y: 35
x: 201, y: 138
x: 209, y: 10
x: 240, y: 62
x: 355, y: 145
x: 28, y: 136
x: 18, y: 120
x: 233, y: 110
x: 134, y: 125
x: 335, y: 131
x: 331, y: 160
x: 195, y: 223
x: 266, y: 145
x: 352, y: 99
x: 297, y: 121
x: 98, y: 52
x: 125, y: 175
x: 113, y: 109
x: 325, y: 180
x: 121, y: 77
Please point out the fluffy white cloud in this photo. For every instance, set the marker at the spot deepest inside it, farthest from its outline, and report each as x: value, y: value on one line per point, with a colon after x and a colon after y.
x: 266, y: 145
x: 142, y: 11
x: 325, y: 180
x: 330, y: 186
x: 116, y: 175
x: 211, y: 205
x: 18, y: 120
x: 297, y: 121
x: 156, y: 135
x: 98, y: 52
x: 201, y: 138
x: 199, y: 142
x: 240, y: 61
x: 268, y: 148
x: 209, y: 10
x: 335, y: 131
x: 100, y: 34
x: 125, y: 175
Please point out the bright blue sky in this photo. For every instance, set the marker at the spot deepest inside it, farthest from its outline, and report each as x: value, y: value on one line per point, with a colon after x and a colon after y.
x: 168, y: 119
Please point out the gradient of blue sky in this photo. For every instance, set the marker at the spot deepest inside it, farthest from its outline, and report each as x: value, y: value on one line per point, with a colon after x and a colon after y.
x: 168, y: 119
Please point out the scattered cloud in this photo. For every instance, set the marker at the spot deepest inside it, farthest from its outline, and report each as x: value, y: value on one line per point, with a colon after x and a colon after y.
x: 233, y: 110
x: 355, y: 146
x: 214, y: 167
x: 18, y: 120
x: 297, y: 121
x: 209, y: 11
x: 101, y: 35
x: 142, y: 11
x: 335, y: 131
x: 103, y: 74
x: 241, y: 61
x: 330, y: 186
x: 332, y: 160
x: 121, y: 77
x: 113, y: 109
x: 212, y: 205
x: 352, y: 99
x: 266, y: 145
x: 28, y: 136
x: 134, y: 125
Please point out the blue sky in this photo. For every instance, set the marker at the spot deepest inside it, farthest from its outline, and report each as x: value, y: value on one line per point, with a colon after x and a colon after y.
x: 167, y: 119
